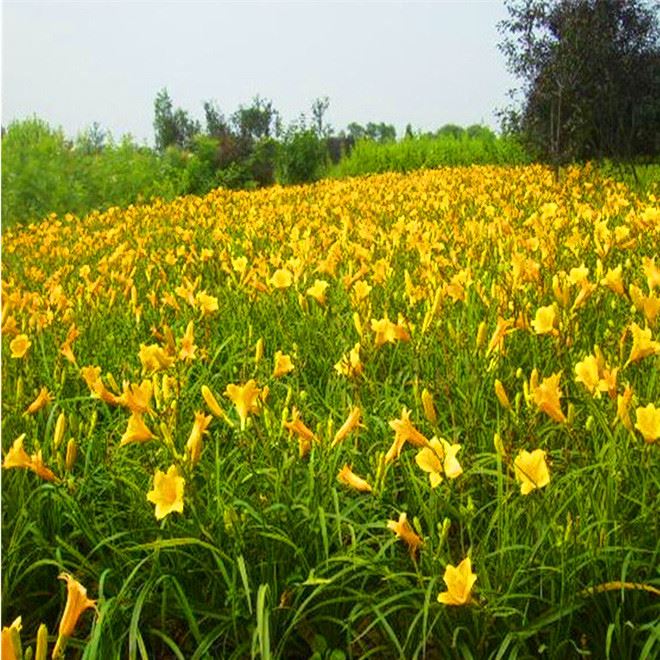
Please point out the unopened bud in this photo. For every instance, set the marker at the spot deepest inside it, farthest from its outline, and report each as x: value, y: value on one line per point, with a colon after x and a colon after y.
x: 481, y: 334
x: 71, y: 454
x: 501, y: 395
x: 357, y: 323
x: 42, y: 643
x: 259, y: 350
x: 92, y: 421
x: 429, y: 407
x: 571, y: 414
x: 113, y: 383
x: 60, y: 426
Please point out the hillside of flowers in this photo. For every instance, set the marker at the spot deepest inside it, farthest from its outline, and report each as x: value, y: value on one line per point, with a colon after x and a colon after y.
x: 397, y: 416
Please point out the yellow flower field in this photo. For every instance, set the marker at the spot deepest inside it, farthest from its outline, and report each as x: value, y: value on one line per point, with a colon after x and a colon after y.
x: 286, y: 373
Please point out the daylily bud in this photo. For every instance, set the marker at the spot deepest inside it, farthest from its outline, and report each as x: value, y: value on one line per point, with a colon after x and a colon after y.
x: 113, y: 383
x: 42, y: 643
x: 92, y: 421
x: 499, y: 446
x: 60, y: 426
x: 444, y: 530
x: 155, y: 386
x: 259, y: 350
x: 571, y: 414
x: 481, y: 334
x: 500, y: 393
x: 71, y: 454
x: 357, y: 323
x: 429, y: 407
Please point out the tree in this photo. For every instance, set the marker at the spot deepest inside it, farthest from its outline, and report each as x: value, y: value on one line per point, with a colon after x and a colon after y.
x: 172, y: 127
x: 216, y: 126
x: 255, y: 121
x: 356, y: 131
x: 591, y: 77
x: 319, y: 108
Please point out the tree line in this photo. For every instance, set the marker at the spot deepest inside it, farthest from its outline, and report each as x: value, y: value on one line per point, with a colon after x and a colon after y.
x: 44, y: 171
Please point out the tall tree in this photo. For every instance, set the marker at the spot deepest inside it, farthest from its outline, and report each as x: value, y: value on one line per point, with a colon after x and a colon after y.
x: 319, y: 108
x: 590, y: 72
x: 172, y: 127
x: 255, y: 121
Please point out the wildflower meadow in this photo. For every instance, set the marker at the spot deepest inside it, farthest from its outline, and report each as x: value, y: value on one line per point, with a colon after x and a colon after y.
x: 391, y: 416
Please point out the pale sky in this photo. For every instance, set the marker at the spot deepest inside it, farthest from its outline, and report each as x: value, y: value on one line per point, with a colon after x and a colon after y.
x: 427, y: 64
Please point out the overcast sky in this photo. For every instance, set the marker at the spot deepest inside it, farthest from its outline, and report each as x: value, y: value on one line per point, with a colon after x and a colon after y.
x: 428, y: 64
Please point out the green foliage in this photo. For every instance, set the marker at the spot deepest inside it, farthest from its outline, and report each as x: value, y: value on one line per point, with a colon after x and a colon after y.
x: 589, y: 73
x: 43, y: 172
x: 172, y: 127
x: 449, y: 147
x: 303, y: 156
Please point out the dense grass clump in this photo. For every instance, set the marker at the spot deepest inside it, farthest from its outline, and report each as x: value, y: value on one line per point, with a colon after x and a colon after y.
x: 369, y: 157
x: 297, y: 422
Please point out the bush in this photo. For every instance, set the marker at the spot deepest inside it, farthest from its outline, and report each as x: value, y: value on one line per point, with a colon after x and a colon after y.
x: 44, y: 173
x: 303, y: 157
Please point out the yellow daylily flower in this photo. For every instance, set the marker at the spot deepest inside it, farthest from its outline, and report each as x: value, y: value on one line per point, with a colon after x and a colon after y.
x: 136, y: 431
x: 438, y: 458
x: 92, y: 376
x: 531, y: 470
x: 648, y: 422
x: 19, y: 346
x: 305, y: 434
x: 351, y: 423
x: 348, y: 477
x: 405, y: 532
x: 38, y: 467
x: 281, y: 279
x: 167, y: 493
x: 76, y: 603
x: 137, y: 398
x: 404, y: 431
x: 545, y: 320
x: 318, y: 291
x: 154, y: 358
x: 587, y: 373
x: 546, y: 397
x: 643, y: 345
x: 43, y: 399
x: 11, y: 645
x: 207, y: 304
x: 460, y: 581
x: 188, y: 347
x: 613, y: 280
x: 388, y: 332
x: 623, y: 408
x: 213, y: 404
x: 245, y: 398
x: 502, y: 329
x: 283, y: 365
x: 350, y: 364
x: 194, y: 443
x: 17, y: 457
